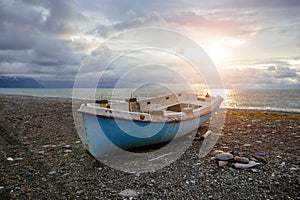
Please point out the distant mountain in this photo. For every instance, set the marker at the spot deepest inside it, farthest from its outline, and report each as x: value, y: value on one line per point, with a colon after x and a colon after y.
x: 18, y: 82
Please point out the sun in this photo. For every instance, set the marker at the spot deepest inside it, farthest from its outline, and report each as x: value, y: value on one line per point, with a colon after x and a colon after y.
x: 221, y: 50
x: 218, y: 54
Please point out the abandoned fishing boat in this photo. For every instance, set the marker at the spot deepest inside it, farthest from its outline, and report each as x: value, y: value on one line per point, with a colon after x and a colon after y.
x: 110, y: 125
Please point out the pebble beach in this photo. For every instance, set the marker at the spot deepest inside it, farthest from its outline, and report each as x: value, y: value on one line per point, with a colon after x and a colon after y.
x: 42, y: 157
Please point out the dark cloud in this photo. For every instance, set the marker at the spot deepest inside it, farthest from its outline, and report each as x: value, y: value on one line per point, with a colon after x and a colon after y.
x: 38, y: 71
x: 154, y: 19
x: 265, y: 62
x: 40, y: 16
x: 37, y: 50
x: 32, y: 37
x: 116, y: 10
x: 18, y: 16
x: 58, y: 51
x: 257, y: 4
x: 276, y: 77
x: 283, y: 72
x: 235, y: 23
x: 297, y: 57
x: 16, y: 40
x: 59, y: 17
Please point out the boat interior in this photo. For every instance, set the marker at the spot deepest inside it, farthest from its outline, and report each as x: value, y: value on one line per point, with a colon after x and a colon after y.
x: 176, y: 102
x: 173, y: 106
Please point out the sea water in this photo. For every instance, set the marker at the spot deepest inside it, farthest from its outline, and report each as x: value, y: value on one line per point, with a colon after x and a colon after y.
x: 277, y: 100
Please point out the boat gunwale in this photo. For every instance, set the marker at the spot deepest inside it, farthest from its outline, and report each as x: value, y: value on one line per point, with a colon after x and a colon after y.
x: 214, y: 106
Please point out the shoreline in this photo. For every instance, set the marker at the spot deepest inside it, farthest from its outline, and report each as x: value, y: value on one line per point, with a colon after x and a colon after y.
x: 228, y: 109
x: 41, y: 157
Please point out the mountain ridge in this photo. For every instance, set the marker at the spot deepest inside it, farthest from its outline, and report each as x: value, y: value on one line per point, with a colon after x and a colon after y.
x: 19, y: 82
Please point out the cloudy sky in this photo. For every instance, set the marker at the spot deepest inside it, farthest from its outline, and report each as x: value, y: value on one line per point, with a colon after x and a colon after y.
x: 254, y: 44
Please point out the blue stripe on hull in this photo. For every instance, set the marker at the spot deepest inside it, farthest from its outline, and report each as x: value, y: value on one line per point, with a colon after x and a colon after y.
x: 124, y: 140
x: 104, y: 134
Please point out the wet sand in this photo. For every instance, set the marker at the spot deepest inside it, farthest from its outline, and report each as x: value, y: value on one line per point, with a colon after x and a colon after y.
x: 42, y: 158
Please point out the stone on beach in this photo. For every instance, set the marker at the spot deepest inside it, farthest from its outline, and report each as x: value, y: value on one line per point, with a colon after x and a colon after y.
x: 52, y: 172
x: 217, y: 152
x: 293, y: 169
x: 245, y: 166
x: 260, y: 159
x: 224, y: 156
x: 208, y: 133
x: 10, y: 159
x: 253, y: 170
x: 128, y: 193
x: 222, y: 163
x: 241, y: 159
x: 247, y: 145
x: 79, y: 192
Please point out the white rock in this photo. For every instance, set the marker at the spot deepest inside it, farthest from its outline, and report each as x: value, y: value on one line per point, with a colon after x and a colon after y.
x: 247, y: 145
x: 9, y: 159
x: 79, y: 192
x: 254, y: 159
x: 273, y: 174
x: 138, y: 174
x: 128, y: 193
x: 222, y: 163
x: 282, y: 164
x: 67, y: 151
x: 294, y: 168
x: 254, y: 170
x: 212, y: 158
x: 52, y: 172
x: 245, y: 166
x: 208, y: 133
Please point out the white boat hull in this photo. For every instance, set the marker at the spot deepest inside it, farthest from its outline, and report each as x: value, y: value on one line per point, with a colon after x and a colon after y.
x: 108, y: 130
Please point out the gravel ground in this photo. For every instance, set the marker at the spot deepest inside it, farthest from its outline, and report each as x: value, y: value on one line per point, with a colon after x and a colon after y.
x: 42, y: 158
